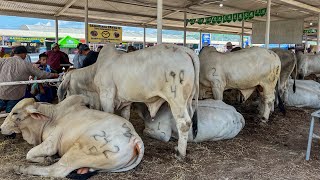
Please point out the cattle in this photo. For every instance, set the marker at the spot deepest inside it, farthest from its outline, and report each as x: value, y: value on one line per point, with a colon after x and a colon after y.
x: 82, y: 137
x: 307, y: 94
x: 308, y: 64
x: 244, y: 70
x: 216, y: 121
x: 288, y: 64
x: 164, y: 73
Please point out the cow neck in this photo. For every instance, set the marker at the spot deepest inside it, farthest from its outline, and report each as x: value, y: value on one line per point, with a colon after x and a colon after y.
x: 48, y: 111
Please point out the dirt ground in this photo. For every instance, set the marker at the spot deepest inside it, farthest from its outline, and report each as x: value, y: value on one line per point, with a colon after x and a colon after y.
x: 273, y: 151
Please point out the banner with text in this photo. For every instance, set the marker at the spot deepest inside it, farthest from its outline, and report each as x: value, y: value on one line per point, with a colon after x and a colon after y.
x: 103, y: 34
x: 213, y: 20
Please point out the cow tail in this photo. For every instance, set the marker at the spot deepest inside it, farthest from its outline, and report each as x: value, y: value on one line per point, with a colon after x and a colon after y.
x: 62, y: 90
x: 295, y: 73
x: 280, y: 102
x: 194, y: 113
x: 135, y: 161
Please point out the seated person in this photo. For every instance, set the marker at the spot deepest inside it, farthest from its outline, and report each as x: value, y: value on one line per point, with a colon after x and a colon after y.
x: 17, y: 69
x: 42, y: 92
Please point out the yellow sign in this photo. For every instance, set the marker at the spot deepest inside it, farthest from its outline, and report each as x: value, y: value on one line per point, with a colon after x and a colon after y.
x: 103, y: 34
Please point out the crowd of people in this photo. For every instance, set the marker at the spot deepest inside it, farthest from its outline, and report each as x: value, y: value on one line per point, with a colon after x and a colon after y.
x: 19, y: 67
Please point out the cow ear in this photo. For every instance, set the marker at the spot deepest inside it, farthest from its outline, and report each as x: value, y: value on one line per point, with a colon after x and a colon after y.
x: 35, y: 114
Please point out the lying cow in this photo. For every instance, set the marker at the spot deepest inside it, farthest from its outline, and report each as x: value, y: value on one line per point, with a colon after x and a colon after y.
x: 308, y: 64
x: 307, y: 94
x: 164, y: 73
x: 84, y: 138
x: 216, y: 121
x: 244, y: 70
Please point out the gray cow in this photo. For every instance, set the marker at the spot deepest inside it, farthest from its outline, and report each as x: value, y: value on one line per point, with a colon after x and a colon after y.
x: 83, y: 138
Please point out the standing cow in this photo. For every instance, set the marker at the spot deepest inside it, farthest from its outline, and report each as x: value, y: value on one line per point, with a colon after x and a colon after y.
x: 164, y: 73
x: 244, y: 70
x: 216, y: 121
x: 288, y: 64
x: 308, y: 64
x: 84, y: 138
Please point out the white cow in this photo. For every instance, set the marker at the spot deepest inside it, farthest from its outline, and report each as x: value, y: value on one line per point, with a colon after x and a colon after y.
x: 308, y: 64
x: 83, y: 138
x: 307, y: 94
x: 244, y: 70
x: 216, y: 121
x: 164, y: 73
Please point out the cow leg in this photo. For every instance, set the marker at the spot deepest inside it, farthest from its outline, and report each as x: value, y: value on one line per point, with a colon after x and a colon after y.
x: 125, y: 112
x: 183, y: 124
x: 107, y: 96
x: 73, y: 159
x: 267, y: 100
x: 154, y: 107
x: 43, y: 151
x: 217, y: 91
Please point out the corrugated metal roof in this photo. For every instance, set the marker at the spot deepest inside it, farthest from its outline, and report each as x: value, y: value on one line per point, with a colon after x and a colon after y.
x: 143, y: 12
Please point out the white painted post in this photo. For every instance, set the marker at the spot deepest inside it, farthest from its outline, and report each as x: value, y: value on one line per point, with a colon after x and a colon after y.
x: 185, y: 29
x: 267, y: 37
x: 57, y: 29
x: 159, y: 22
x: 144, y: 37
x: 2, y: 41
x: 318, y: 35
x: 200, y: 45
x: 86, y: 22
x: 242, y: 35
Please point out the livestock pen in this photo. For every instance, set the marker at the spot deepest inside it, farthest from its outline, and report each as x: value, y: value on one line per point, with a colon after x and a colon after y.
x: 273, y: 151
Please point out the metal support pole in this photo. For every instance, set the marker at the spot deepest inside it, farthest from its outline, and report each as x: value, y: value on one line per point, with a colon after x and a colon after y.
x: 185, y: 29
x: 2, y: 41
x: 310, y: 139
x: 159, y: 21
x: 318, y: 35
x: 86, y: 22
x: 144, y: 37
x: 200, y: 45
x: 242, y: 35
x: 267, y: 37
x: 57, y: 30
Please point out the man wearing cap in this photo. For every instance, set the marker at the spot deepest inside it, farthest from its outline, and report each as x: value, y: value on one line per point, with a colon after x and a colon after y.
x: 78, y: 58
x: 17, y: 69
x: 57, y: 57
x: 229, y: 46
x: 91, y: 56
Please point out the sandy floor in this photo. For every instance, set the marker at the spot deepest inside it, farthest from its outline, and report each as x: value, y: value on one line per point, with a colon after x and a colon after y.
x: 274, y: 151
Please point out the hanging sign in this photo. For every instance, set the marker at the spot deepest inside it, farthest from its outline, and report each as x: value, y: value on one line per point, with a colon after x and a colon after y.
x: 103, y: 34
x: 228, y: 17
x: 310, y: 31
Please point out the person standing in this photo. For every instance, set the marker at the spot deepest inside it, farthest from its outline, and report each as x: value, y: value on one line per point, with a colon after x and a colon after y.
x: 91, y: 56
x: 56, y: 57
x: 78, y: 58
x: 17, y: 69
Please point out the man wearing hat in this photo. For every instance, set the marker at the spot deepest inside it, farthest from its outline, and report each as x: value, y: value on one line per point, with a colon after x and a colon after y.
x: 91, y: 56
x: 57, y: 57
x: 229, y: 46
x: 17, y: 69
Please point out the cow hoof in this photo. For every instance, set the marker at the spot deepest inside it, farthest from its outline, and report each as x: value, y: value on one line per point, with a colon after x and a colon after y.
x: 179, y: 156
x: 75, y: 175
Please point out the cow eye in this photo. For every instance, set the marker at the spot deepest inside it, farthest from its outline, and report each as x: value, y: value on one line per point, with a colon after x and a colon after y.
x: 14, y: 113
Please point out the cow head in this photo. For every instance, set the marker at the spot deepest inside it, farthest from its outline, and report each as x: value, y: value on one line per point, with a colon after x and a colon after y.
x: 26, y: 119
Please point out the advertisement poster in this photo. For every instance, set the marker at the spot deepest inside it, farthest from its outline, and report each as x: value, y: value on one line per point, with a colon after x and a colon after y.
x: 103, y: 34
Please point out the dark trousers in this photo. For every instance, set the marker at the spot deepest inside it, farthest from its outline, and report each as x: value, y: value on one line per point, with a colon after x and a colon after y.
x: 8, y: 105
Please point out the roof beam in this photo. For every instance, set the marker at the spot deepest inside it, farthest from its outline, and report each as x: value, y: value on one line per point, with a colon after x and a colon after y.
x: 301, y: 5
x: 70, y: 3
x: 165, y: 15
